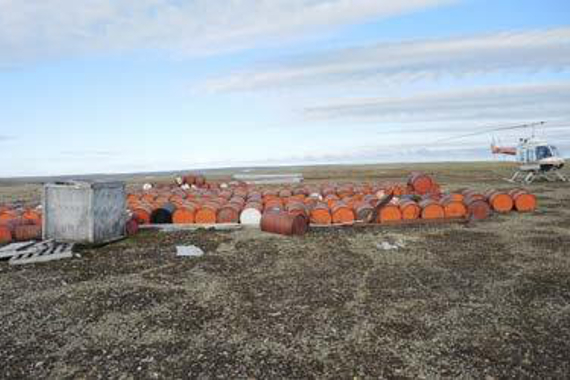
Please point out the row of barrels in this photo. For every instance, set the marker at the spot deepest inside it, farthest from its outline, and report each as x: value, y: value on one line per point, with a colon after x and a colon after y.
x: 20, y: 224
x: 327, y: 207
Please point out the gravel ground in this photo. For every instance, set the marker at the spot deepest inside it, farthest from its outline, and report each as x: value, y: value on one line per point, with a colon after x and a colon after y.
x: 490, y: 299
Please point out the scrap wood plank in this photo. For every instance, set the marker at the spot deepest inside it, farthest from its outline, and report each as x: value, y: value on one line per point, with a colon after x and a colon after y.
x: 35, y: 252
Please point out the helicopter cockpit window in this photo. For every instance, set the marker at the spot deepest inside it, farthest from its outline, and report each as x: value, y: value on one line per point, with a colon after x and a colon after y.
x: 543, y: 152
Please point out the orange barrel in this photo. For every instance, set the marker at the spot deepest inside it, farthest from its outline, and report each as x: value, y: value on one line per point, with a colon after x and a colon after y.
x: 523, y: 200
x: 363, y: 211
x: 297, y: 208
x: 341, y: 213
x: 457, y: 196
x: 389, y: 213
x: 8, y: 215
x: 148, y: 197
x: 189, y: 180
x: 229, y: 213
x: 27, y: 232
x: 200, y: 181
x: 321, y: 215
x: 453, y: 208
x: 270, y: 193
x: 241, y: 192
x: 142, y: 213
x: 163, y: 214
x: 432, y: 209
x: 328, y: 190
x: 276, y: 202
x: 285, y: 193
x: 410, y: 209
x: 499, y: 201
x: 473, y: 194
x: 5, y: 235
x: 207, y: 214
x: 300, y: 191
x: 477, y: 209
x: 331, y: 199
x: 283, y: 223
x: 420, y: 183
x: 226, y: 194
x: 132, y: 227
x: 345, y: 191
x: 184, y: 214
x: 161, y: 200
x: 33, y: 216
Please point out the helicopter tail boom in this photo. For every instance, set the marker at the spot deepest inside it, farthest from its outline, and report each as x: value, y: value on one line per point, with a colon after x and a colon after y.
x: 508, y: 150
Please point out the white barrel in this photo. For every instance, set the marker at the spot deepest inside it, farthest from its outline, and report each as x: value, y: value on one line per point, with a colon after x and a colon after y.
x: 250, y: 217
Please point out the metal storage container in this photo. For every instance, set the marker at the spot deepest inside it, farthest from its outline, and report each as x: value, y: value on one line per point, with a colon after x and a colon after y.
x: 84, y: 212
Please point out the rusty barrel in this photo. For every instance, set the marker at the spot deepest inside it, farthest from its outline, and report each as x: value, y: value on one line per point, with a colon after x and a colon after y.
x: 363, y: 211
x: 420, y: 183
x: 432, y: 209
x: 132, y: 227
x: 229, y: 213
x: 27, y: 232
x: 523, y: 200
x: 477, y: 209
x: 283, y: 223
x: 499, y: 201
x: 142, y: 213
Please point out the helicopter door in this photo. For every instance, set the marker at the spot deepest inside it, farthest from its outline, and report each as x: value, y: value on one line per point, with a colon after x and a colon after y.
x: 530, y: 156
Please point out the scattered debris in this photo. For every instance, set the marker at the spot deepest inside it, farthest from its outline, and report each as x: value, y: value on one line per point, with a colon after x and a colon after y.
x: 36, y: 252
x: 387, y: 246
x: 189, y: 251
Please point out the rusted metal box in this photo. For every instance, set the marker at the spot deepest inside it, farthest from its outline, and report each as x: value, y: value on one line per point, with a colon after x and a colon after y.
x: 84, y: 212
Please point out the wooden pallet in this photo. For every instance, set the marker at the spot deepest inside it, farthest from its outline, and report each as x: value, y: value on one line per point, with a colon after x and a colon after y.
x: 36, y: 252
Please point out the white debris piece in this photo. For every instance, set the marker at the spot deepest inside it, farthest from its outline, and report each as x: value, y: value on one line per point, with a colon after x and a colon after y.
x: 189, y: 251
x: 386, y: 246
x: 147, y: 186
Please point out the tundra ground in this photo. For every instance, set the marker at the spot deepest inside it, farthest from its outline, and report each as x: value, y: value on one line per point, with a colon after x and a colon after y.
x: 487, y: 299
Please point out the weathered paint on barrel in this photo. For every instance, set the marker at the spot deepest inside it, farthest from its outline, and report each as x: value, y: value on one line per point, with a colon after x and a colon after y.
x: 283, y: 223
x: 27, y: 232
x: 420, y: 183
x: 523, y: 201
x: 410, y: 209
x: 432, y: 209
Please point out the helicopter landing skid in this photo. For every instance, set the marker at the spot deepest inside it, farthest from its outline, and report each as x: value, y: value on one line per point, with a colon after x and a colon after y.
x: 528, y: 177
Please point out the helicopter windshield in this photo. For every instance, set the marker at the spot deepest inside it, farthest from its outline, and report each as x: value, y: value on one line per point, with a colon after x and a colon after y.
x: 543, y: 152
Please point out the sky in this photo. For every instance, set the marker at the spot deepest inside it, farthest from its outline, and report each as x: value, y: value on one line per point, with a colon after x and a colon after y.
x: 116, y: 86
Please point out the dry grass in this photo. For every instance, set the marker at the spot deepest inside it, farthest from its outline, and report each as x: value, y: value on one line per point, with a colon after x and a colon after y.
x: 491, y: 299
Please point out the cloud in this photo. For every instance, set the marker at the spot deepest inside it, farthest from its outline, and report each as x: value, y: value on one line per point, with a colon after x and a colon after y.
x: 494, y: 103
x: 408, y: 61
x: 6, y: 138
x: 39, y: 29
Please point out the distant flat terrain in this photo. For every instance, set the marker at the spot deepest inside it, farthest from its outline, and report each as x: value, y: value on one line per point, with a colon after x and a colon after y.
x: 489, y: 299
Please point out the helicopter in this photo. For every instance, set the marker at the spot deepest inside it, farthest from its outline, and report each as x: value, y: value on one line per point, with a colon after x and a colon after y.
x: 536, y: 157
